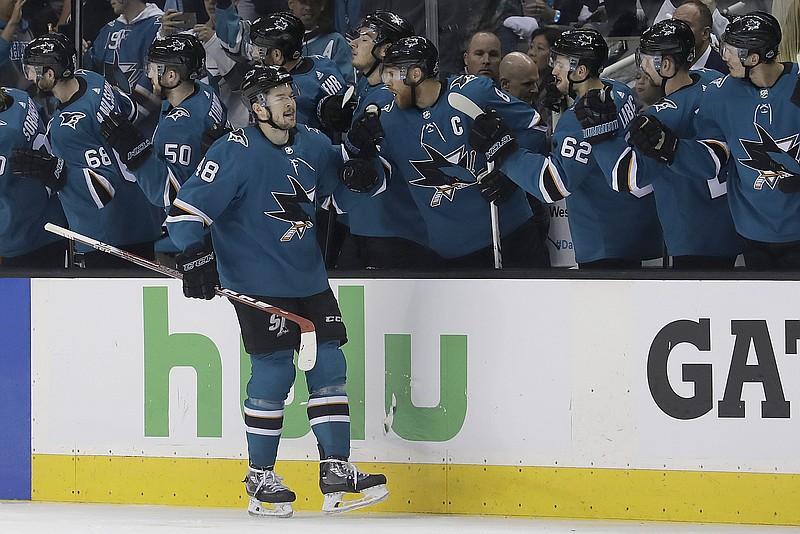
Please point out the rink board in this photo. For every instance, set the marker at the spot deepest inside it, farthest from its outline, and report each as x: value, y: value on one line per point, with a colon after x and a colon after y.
x: 643, y: 400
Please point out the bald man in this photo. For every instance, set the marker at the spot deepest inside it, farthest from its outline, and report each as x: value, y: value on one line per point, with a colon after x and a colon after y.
x: 483, y: 54
x: 519, y: 77
x: 697, y: 15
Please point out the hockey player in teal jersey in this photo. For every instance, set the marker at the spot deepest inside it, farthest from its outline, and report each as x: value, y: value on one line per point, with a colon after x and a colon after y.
x: 255, y: 189
x: 609, y: 229
x: 751, y: 116
x: 277, y: 39
x: 97, y: 199
x: 25, y: 204
x: 387, y: 232
x: 189, y: 108
x: 118, y: 54
x: 694, y: 213
x: 426, y: 144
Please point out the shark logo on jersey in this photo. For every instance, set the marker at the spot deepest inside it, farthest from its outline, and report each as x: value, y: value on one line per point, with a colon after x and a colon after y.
x: 177, y: 113
x: 665, y: 103
x: 71, y: 118
x: 773, y: 159
x: 237, y: 136
x: 446, y: 174
x: 120, y: 74
x: 463, y: 80
x: 291, y: 212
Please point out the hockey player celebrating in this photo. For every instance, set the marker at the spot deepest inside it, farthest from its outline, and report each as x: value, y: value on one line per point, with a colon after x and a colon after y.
x: 694, y: 213
x: 25, y: 204
x: 174, y: 64
x: 255, y: 189
x: 610, y: 230
x: 97, y: 199
x: 387, y: 232
x: 277, y: 39
x: 751, y: 116
x: 426, y: 144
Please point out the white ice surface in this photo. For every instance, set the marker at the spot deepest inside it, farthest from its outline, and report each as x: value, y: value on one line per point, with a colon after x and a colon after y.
x: 51, y: 518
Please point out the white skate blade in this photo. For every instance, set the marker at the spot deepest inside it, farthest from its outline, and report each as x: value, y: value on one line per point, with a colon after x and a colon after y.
x: 335, y: 504
x: 258, y: 509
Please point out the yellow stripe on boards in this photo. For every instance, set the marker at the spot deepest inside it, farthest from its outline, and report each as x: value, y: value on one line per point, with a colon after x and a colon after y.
x: 641, y: 495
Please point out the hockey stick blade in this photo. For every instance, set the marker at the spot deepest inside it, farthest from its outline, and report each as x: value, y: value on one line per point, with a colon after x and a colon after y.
x: 306, y: 355
x: 348, y: 94
x: 464, y: 105
x: 469, y: 108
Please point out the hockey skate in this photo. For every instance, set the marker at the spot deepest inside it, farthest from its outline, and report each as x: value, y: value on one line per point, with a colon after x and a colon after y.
x: 268, y: 495
x: 339, y: 477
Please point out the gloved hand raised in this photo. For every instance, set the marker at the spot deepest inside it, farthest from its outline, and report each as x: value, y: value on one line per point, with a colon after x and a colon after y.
x: 40, y: 165
x: 597, y: 114
x: 126, y: 139
x: 209, y: 136
x: 490, y: 135
x: 653, y: 138
x: 365, y: 134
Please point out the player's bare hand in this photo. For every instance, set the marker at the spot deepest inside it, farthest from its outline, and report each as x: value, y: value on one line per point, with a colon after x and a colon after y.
x: 85, y: 45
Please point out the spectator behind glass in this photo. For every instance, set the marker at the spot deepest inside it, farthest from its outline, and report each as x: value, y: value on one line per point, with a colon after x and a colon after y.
x: 118, y: 54
x: 482, y: 56
x: 15, y: 35
x: 320, y: 39
x: 697, y: 15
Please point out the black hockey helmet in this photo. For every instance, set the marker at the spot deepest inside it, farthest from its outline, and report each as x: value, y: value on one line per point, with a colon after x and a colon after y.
x: 757, y: 32
x: 260, y: 79
x: 670, y: 37
x: 282, y: 31
x: 51, y: 51
x: 584, y: 46
x: 182, y: 51
x: 414, y: 51
x: 388, y: 27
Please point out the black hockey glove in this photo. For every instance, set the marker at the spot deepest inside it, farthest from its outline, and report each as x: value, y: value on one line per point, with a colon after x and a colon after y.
x: 490, y: 135
x: 212, y: 134
x: 200, y: 276
x: 496, y: 186
x: 335, y: 114
x: 653, y: 139
x: 40, y: 165
x: 365, y: 134
x: 359, y: 175
x: 789, y: 184
x: 126, y: 139
x: 553, y: 99
x: 597, y: 115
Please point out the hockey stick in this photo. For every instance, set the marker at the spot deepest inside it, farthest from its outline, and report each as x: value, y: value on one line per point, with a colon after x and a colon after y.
x: 472, y: 110
x: 306, y: 356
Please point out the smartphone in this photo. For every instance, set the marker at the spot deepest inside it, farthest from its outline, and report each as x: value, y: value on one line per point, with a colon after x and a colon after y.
x: 186, y: 20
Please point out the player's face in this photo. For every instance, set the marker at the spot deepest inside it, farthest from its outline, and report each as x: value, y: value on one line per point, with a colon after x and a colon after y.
x: 362, y: 46
x: 561, y: 65
x: 539, y: 52
x: 646, y: 91
x: 647, y: 66
x: 282, y: 106
x: 732, y: 56
x: 391, y: 77
x: 41, y: 76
